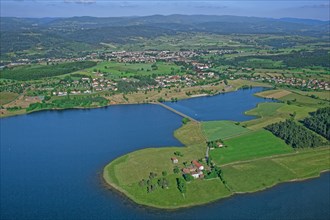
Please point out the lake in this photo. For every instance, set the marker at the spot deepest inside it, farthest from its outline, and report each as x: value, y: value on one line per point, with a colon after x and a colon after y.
x: 52, y: 161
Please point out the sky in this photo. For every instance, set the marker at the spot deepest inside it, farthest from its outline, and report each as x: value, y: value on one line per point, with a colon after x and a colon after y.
x: 115, y: 8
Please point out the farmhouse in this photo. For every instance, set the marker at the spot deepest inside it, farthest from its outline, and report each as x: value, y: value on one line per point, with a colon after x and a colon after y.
x: 174, y: 160
x: 198, y: 165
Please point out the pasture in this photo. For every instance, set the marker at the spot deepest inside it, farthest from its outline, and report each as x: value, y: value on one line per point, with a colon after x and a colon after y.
x: 214, y: 130
x: 249, y: 146
x: 265, y: 172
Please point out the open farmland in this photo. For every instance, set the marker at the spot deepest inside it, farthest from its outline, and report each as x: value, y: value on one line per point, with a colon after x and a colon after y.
x: 215, y: 130
x: 249, y: 146
x: 256, y: 175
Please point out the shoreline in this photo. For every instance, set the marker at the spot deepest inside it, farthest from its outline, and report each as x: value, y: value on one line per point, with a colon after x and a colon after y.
x: 125, y: 195
x: 23, y: 112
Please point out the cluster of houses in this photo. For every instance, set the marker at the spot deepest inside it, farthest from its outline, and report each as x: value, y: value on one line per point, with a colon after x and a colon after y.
x: 101, y: 84
x: 187, y: 80
x: 85, y: 86
x: 312, y: 84
x: 195, y: 169
x: 150, y: 56
x: 200, y: 66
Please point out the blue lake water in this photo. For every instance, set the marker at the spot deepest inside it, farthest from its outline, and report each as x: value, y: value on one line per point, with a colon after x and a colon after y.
x: 225, y: 106
x: 51, y: 164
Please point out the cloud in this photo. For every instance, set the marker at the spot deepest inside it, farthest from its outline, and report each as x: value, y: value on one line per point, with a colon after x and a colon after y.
x: 80, y: 1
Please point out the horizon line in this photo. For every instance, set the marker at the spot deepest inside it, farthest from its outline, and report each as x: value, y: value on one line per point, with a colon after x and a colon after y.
x: 165, y: 15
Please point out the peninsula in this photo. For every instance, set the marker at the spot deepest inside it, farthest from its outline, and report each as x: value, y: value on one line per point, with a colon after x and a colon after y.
x: 223, y: 158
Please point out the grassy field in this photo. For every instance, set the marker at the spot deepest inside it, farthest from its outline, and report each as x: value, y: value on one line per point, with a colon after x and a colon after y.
x: 248, y: 146
x: 251, y: 162
x: 259, y: 174
x: 276, y: 94
x: 265, y: 109
x: 6, y: 97
x: 38, y: 71
x: 252, y: 159
x: 269, y: 113
x: 117, y: 69
x: 302, y: 100
x: 125, y: 172
x: 297, y: 98
x: 214, y: 130
x: 322, y: 95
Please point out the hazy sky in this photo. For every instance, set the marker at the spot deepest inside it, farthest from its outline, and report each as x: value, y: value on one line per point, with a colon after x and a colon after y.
x: 108, y: 8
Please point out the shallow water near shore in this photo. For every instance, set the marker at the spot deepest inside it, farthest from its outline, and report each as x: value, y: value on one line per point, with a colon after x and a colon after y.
x: 51, y: 164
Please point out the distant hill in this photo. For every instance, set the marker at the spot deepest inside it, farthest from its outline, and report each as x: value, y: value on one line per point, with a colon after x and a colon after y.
x: 83, y: 32
x: 304, y: 21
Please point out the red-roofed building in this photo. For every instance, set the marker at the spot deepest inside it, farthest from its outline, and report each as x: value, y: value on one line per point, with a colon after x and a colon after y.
x: 186, y: 171
x: 198, y: 165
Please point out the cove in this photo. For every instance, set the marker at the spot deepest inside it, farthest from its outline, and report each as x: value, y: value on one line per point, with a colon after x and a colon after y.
x: 51, y: 164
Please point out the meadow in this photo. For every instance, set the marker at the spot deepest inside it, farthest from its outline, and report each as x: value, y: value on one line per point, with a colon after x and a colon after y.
x: 251, y: 159
x: 159, y: 160
x: 266, y: 172
x: 215, y: 130
x: 38, y: 71
x: 116, y: 69
x: 6, y: 97
x: 249, y: 146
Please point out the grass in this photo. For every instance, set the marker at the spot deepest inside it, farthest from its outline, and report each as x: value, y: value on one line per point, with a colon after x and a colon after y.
x: 258, y: 167
x: 38, y: 71
x: 276, y: 94
x: 198, y: 191
x: 215, y: 130
x: 322, y: 95
x: 265, y: 109
x: 298, y: 99
x: 117, y: 69
x: 302, y: 100
x: 253, y: 159
x: 249, y: 146
x: 269, y: 113
x: 260, y: 174
x: 6, y: 97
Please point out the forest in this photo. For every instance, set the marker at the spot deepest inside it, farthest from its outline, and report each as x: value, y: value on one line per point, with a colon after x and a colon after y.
x: 295, y: 135
x: 33, y: 72
x: 319, y: 122
x: 296, y: 59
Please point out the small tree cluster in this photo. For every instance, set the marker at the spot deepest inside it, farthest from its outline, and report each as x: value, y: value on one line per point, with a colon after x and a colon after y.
x: 181, y: 184
x: 178, y: 153
x: 163, y: 182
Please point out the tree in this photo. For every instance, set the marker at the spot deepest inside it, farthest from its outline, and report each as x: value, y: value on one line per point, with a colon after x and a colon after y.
x: 176, y: 169
x: 188, y: 177
x: 185, y: 120
x: 181, y: 184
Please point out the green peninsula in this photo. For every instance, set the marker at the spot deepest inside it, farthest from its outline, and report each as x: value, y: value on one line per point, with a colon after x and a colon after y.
x: 235, y: 157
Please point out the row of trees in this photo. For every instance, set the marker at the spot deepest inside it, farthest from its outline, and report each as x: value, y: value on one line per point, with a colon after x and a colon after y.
x: 86, y: 101
x: 319, y: 122
x: 295, y: 135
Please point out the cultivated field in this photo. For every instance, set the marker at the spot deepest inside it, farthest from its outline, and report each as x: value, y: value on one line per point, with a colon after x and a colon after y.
x: 6, y: 97
x: 259, y: 174
x: 215, y: 130
x: 248, y: 146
